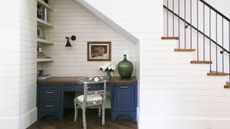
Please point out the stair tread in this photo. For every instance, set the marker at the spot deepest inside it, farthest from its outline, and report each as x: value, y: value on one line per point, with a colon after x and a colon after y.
x: 184, y: 50
x: 227, y: 85
x: 200, y: 62
x: 216, y: 73
x: 170, y: 38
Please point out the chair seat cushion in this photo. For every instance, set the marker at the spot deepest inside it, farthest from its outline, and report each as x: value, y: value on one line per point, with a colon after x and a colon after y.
x: 90, y: 98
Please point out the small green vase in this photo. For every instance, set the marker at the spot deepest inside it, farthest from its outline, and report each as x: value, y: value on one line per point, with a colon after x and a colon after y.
x: 125, y: 68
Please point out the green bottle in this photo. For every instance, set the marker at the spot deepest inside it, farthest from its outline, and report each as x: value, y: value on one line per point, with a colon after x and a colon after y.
x: 125, y: 68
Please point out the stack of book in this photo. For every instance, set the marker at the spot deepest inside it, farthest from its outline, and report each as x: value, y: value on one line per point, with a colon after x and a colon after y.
x: 42, y: 13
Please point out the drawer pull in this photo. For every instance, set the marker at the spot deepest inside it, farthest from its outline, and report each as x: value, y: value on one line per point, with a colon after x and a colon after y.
x: 49, y: 92
x: 49, y: 106
x: 124, y: 87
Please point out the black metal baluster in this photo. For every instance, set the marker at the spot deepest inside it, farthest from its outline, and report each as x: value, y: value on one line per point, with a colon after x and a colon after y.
x: 216, y: 42
x: 173, y: 19
x: 204, y: 32
x: 167, y: 19
x: 191, y: 23
x: 185, y: 24
x: 210, y: 35
x: 222, y: 52
x: 198, y: 29
x: 179, y: 22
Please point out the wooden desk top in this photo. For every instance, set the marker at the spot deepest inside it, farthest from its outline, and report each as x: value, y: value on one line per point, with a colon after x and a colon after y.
x: 74, y: 79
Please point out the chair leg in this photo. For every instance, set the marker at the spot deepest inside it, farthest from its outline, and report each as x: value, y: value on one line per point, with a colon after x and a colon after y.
x: 75, y: 112
x: 103, y: 115
x: 84, y: 118
x: 99, y: 111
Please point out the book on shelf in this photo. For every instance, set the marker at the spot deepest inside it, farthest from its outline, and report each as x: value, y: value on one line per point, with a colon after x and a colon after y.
x: 42, y: 13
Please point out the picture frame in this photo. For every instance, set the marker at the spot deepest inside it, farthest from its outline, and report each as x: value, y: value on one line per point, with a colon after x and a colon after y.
x: 40, y: 33
x: 99, y: 50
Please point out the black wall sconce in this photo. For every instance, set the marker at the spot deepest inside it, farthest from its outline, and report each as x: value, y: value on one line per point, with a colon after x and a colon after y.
x: 73, y: 38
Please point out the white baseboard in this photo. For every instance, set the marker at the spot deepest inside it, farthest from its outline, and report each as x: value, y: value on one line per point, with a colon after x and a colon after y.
x: 183, y: 123
x: 27, y: 118
x: 137, y: 118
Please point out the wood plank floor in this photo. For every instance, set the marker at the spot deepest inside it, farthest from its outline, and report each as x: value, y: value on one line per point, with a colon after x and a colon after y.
x: 93, y: 122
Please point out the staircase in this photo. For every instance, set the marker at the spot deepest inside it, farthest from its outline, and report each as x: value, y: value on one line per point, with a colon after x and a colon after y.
x: 200, y: 35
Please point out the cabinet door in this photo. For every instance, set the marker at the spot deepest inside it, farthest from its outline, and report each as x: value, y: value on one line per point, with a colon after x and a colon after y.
x: 124, y: 97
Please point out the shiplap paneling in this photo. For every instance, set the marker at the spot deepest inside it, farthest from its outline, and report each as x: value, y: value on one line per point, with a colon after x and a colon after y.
x: 28, y: 64
x: 70, y: 18
x: 9, y: 93
x: 168, y: 101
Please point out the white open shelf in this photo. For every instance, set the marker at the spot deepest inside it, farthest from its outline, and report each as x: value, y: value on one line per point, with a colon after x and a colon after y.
x: 40, y: 2
x: 43, y: 41
x: 44, y: 23
x: 40, y: 60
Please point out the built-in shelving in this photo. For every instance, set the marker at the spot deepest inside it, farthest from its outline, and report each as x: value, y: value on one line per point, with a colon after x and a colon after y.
x: 44, y: 23
x: 40, y: 2
x: 40, y: 60
x: 43, y: 41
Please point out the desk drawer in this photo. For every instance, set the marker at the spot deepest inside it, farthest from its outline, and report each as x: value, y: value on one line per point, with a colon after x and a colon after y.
x: 51, y: 106
x: 49, y: 92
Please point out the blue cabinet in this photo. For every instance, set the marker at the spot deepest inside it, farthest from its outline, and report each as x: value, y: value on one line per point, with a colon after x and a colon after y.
x: 48, y: 100
x: 124, y: 100
x: 50, y: 97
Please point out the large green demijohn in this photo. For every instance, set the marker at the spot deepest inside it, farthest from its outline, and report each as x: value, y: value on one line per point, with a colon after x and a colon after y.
x: 125, y: 68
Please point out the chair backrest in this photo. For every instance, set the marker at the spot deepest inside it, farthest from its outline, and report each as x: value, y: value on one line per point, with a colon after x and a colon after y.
x: 86, y: 81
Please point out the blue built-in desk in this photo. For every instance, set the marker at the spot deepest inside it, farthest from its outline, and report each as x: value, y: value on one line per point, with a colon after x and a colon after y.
x: 50, y: 95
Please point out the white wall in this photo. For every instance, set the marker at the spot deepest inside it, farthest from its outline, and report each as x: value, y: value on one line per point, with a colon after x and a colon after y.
x: 144, y: 19
x: 69, y: 19
x: 18, y: 64
x: 167, y: 102
x: 28, y: 64
x: 9, y: 66
x: 221, y: 5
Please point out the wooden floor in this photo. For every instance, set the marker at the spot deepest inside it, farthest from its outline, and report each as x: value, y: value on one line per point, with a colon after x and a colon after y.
x: 93, y: 122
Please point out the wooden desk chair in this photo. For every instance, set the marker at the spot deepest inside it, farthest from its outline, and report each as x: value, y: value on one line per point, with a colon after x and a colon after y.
x: 91, y: 98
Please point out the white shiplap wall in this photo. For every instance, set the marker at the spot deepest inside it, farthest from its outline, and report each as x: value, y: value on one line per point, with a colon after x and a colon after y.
x: 28, y: 64
x: 9, y: 65
x: 144, y: 19
x: 70, y: 18
x: 18, y: 64
x: 167, y: 100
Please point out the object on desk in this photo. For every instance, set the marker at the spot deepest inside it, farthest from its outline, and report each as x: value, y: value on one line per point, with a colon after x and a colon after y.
x: 108, y: 68
x: 125, y: 68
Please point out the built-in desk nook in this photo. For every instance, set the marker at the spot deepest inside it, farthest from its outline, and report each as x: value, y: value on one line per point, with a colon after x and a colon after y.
x: 50, y: 96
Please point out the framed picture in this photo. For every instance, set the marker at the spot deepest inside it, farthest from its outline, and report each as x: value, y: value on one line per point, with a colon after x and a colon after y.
x: 40, y: 33
x: 99, y: 51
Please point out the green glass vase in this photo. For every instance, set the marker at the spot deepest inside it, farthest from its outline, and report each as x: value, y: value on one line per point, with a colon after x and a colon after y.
x: 125, y: 68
